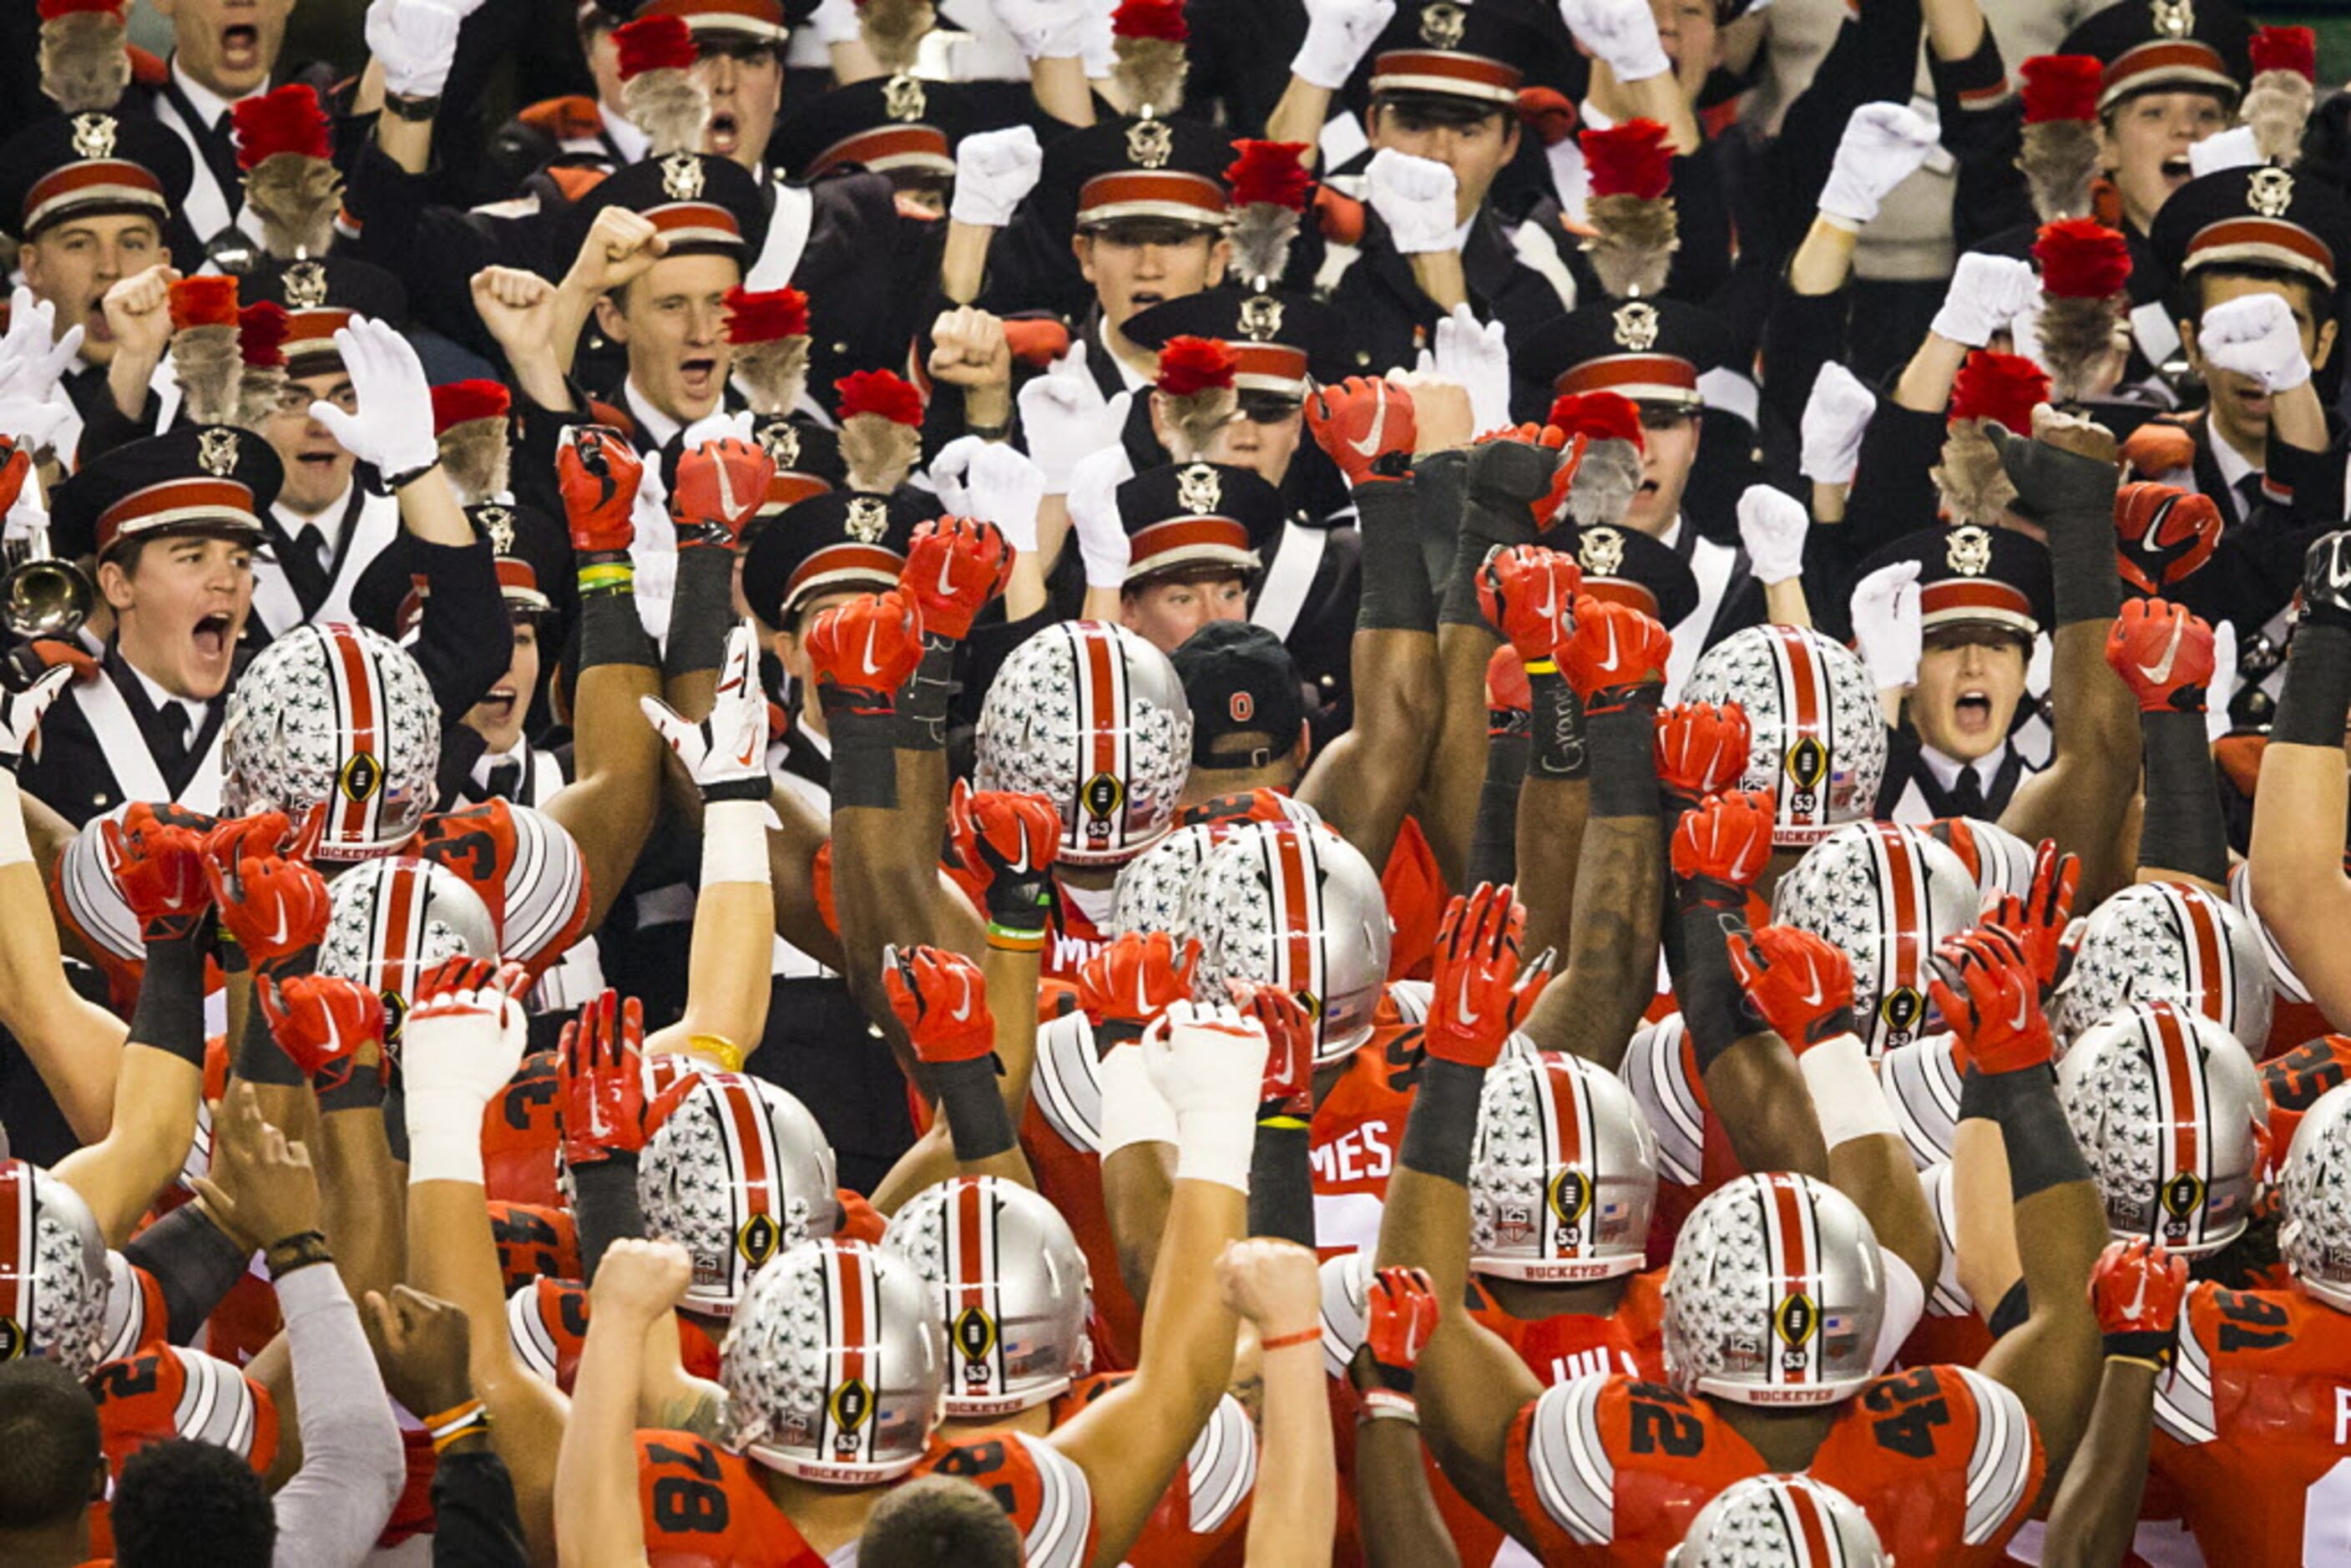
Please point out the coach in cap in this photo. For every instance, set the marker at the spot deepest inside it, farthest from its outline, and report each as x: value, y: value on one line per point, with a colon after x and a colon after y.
x: 1983, y: 597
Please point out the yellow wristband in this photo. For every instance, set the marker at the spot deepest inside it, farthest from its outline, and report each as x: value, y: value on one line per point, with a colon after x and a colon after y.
x: 726, y: 1052
x: 1543, y: 666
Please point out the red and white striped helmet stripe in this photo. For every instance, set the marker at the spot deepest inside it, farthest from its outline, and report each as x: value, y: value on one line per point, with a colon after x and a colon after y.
x: 1906, y: 915
x: 356, y: 825
x: 1806, y: 758
x: 2183, y: 1099
x: 853, y: 1373
x: 1299, y: 920
x: 1792, y: 1246
x: 1570, y: 1145
x: 1104, y: 739
x: 2204, y: 950
x: 20, y: 1256
x: 975, y: 1313
x: 746, y: 1141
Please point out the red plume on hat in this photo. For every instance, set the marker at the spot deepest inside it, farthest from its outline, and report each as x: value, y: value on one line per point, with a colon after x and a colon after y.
x: 1991, y: 387
x: 1196, y: 393
x: 469, y: 422
x: 1635, y: 230
x: 1148, y: 62
x: 1550, y: 113
x: 285, y: 147
x: 658, y: 91
x: 2277, y: 104
x: 1597, y: 416
x: 769, y: 332
x: 1189, y: 365
x: 881, y: 415
x: 2058, y: 156
x: 1605, y: 427
x: 1269, y: 186
x: 84, y: 61
x: 205, y: 356
x: 2081, y: 258
x: 2084, y: 267
x: 261, y: 329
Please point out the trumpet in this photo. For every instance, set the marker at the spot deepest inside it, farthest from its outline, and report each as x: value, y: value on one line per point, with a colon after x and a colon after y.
x: 41, y: 595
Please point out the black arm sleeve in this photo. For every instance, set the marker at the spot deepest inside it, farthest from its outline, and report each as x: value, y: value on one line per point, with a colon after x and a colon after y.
x: 474, y: 1521
x: 192, y: 1261
x: 605, y: 1208
x: 466, y: 639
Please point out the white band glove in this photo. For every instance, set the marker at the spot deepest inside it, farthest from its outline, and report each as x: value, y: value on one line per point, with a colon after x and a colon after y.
x: 1885, y: 623
x: 416, y: 42
x: 835, y: 22
x: 1884, y: 144
x: 1772, y: 525
x: 1475, y: 356
x: 1624, y: 33
x: 995, y: 172
x: 719, y: 424
x: 726, y: 753
x: 2255, y: 335
x: 456, y: 1051
x: 1338, y: 32
x: 1208, y: 1064
x: 1415, y: 197
x: 1045, y: 29
x: 1103, y: 543
x: 1836, y: 416
x: 1987, y: 293
x: 393, y: 427
x: 1005, y: 487
x: 1064, y: 416
x: 1132, y: 1110
x: 2233, y: 148
x: 2217, y: 722
x: 32, y: 360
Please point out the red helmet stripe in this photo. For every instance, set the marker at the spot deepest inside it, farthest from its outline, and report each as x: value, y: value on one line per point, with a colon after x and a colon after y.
x: 2183, y: 1105
x: 19, y: 1250
x: 848, y: 1277
x: 1794, y: 1244
x: 398, y: 912
x: 2208, y: 969
x: 748, y: 1139
x: 1293, y: 896
x: 1904, y: 892
x: 360, y: 714
x: 1806, y: 1526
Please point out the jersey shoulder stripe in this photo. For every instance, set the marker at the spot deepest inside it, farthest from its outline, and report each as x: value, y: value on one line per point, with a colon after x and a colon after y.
x: 1573, y: 1475
x: 2183, y: 1396
x: 1068, y: 1081
x: 1061, y: 1535
x: 2000, y: 1467
x: 1222, y: 1466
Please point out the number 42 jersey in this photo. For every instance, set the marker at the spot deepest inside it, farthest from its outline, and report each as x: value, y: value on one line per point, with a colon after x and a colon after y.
x: 1610, y: 1471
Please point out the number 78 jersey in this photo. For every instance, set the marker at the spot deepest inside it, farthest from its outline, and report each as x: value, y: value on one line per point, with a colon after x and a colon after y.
x: 1611, y: 1471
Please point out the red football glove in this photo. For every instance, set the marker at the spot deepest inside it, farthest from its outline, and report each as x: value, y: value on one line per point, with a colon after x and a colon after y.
x: 1007, y: 841
x: 322, y: 1022
x: 864, y: 649
x: 1358, y: 422
x: 597, y: 473
x: 1614, y: 655
x: 1801, y: 985
x: 2163, y: 534
x: 1483, y: 990
x: 1701, y: 748
x: 941, y: 998
x: 160, y: 866
x: 1543, y: 507
x: 1289, y: 1051
x: 1400, y: 1315
x: 953, y: 567
x: 599, y: 1073
x: 1996, y: 1025
x: 1510, y: 700
x: 2137, y: 1289
x: 2163, y: 653
x: 721, y: 485
x: 2037, y: 920
x: 26, y: 663
x: 1133, y: 980
x: 446, y: 987
x: 1528, y: 594
x: 1723, y: 846
x: 273, y: 907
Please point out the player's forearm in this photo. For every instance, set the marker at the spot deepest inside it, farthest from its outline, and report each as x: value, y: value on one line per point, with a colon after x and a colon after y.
x: 609, y: 805
x: 1012, y: 977
x: 1186, y: 1357
x: 452, y: 1254
x: 360, y: 1200
x: 1425, y: 1224
x: 1457, y: 763
x: 1365, y: 781
x: 1138, y: 1184
x: 1984, y: 1239
x: 596, y: 1469
x: 728, y: 970
x: 2299, y: 888
x: 1399, y: 1522
x: 154, y: 1122
x: 2081, y: 799
x: 1876, y: 1172
x: 2096, y: 1510
x: 1756, y: 1089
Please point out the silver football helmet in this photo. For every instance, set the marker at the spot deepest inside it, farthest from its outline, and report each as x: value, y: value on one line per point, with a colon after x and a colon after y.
x: 391, y: 919
x: 539, y: 894
x: 1155, y: 889
x: 1092, y: 718
x: 2282, y: 979
x: 1779, y: 1521
x: 1776, y: 1294
x: 1564, y: 1175
x: 2000, y: 863
x: 2315, y: 1197
x: 1010, y: 1288
x: 836, y: 1366
x: 1885, y: 895
x: 1816, y: 735
x: 54, y: 1278
x: 737, y: 1172
x: 342, y: 716
x: 1298, y: 907
x: 2165, y: 1105
x: 2168, y: 941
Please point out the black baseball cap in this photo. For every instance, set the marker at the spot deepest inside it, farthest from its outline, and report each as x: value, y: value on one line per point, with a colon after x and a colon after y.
x: 1239, y: 680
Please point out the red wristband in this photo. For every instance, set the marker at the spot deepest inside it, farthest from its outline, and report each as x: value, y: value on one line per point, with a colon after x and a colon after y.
x: 1283, y: 1341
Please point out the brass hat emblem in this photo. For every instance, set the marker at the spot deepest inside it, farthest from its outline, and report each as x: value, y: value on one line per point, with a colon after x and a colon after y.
x: 869, y: 519
x: 498, y: 523
x: 782, y: 442
x: 2173, y: 19
x: 1968, y: 551
x: 681, y: 175
x: 1260, y: 317
x: 2270, y: 192
x: 903, y: 99
x: 1637, y: 326
x: 305, y: 286
x: 1601, y: 551
x: 1199, y: 489
x: 1442, y: 25
x: 1150, y: 143
x: 216, y: 452
x: 93, y: 135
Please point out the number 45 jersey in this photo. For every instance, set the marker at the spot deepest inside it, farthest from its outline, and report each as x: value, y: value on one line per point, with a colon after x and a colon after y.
x: 2253, y: 1425
x: 1611, y: 1471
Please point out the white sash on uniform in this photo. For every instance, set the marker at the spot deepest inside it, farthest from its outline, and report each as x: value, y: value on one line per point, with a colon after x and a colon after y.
x: 275, y: 604
x: 205, y: 206
x: 1289, y: 577
x: 125, y: 748
x: 788, y: 221
x: 578, y: 977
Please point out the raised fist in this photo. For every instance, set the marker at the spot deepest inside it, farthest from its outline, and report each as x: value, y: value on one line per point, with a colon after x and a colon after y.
x: 321, y: 1022
x: 1400, y: 1314
x: 864, y: 649
x: 1802, y: 983
x: 721, y: 485
x: 275, y: 908
x: 2137, y: 1289
x: 2163, y: 653
x: 1289, y: 1049
x: 601, y: 1081
x: 597, y: 473
x: 1528, y: 594
x: 1483, y: 990
x: 1616, y: 655
x: 1134, y: 979
x: 941, y: 998
x: 1008, y: 843
x: 1365, y: 424
x: 2163, y: 534
x: 1510, y: 699
x: 1701, y: 748
x: 953, y: 567
x: 1725, y: 844
x: 160, y: 866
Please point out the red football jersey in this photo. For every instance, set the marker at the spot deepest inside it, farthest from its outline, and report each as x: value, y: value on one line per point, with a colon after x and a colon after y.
x: 1569, y: 1345
x: 1071, y: 937
x: 547, y: 1324
x: 1041, y: 1490
x: 1357, y: 1130
x: 2253, y: 1425
x: 1610, y: 1471
x: 1204, y: 1517
x: 704, y: 1507
x: 2292, y: 1082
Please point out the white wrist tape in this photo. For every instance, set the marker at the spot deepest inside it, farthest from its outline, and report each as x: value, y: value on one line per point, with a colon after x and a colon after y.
x: 735, y: 841
x: 1845, y: 1095
x: 1133, y: 1112
x: 444, y: 1137
x: 1215, y: 1144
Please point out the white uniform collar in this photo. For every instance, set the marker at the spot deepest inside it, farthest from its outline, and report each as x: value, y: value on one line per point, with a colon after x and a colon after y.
x: 294, y: 525
x: 657, y: 426
x: 161, y: 699
x: 521, y: 756
x: 1947, y: 768
x: 202, y: 98
x: 631, y: 143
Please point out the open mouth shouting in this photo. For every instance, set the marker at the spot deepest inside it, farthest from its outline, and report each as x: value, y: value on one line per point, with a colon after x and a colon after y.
x: 723, y: 135
x: 1971, y: 711
x: 2178, y: 170
x: 210, y: 637
x: 241, y: 46
x: 700, y: 377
